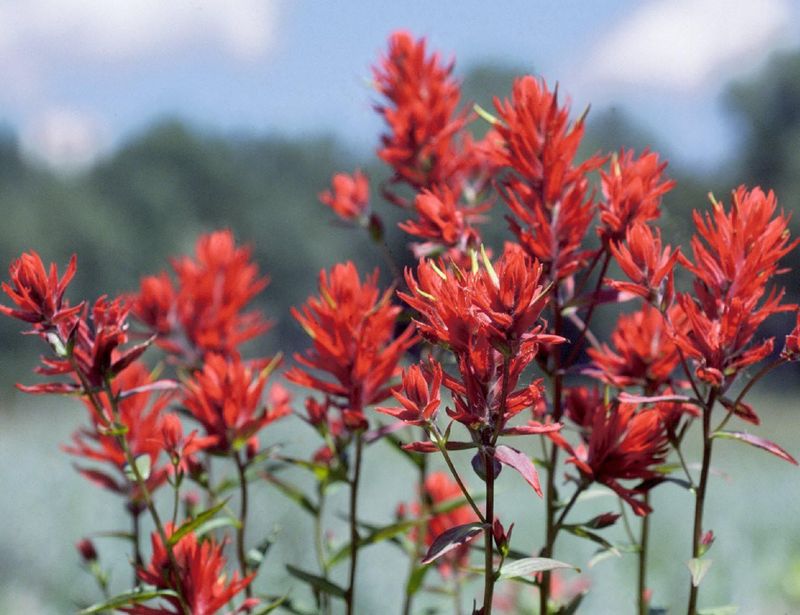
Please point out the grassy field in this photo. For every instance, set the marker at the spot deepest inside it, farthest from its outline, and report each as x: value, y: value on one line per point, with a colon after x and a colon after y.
x: 753, y: 510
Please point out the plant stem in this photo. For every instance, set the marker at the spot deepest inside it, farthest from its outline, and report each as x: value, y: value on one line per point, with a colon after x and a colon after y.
x: 441, y: 444
x: 643, y: 545
x: 700, y: 495
x: 319, y: 546
x: 488, y: 576
x: 419, y: 543
x: 241, y: 467
x: 137, y: 552
x: 354, y: 538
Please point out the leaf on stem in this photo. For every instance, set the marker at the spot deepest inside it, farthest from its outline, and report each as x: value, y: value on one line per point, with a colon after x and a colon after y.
x: 521, y: 463
x: 195, y: 523
x: 127, y: 598
x: 452, y: 539
x: 531, y: 565
x: 756, y: 441
x: 698, y: 567
x: 317, y: 582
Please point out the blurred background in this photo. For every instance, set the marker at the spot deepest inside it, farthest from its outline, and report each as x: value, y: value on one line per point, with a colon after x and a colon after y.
x: 128, y: 128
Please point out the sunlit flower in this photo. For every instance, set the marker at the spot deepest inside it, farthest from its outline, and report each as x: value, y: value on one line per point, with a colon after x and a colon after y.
x: 348, y: 196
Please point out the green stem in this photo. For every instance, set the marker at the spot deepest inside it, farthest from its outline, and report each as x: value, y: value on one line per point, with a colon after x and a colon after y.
x: 488, y: 576
x: 642, y: 573
x: 441, y: 444
x: 137, y: 552
x: 241, y: 467
x: 319, y: 546
x: 419, y: 543
x: 354, y: 538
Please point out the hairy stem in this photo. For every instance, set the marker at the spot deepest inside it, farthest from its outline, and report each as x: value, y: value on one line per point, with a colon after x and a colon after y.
x: 488, y: 576
x: 644, y: 542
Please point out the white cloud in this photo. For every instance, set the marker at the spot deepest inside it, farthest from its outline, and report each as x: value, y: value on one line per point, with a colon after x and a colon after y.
x: 683, y: 44
x: 65, y: 139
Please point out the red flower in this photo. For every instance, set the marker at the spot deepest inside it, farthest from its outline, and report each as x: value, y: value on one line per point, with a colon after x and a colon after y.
x: 348, y: 196
x: 201, y: 578
x: 420, y: 397
x: 548, y: 193
x: 88, y: 350
x: 351, y: 327
x: 421, y: 114
x: 37, y: 293
x: 144, y: 424
x: 632, y: 192
x: 440, y: 489
x: 204, y: 313
x: 620, y: 445
x: 649, y: 268
x: 791, y: 348
x: 736, y: 253
x: 182, y: 449
x: 225, y: 398
x: 645, y: 353
x: 444, y: 223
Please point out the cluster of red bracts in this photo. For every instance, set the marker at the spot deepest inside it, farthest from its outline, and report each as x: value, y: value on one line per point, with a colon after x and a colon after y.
x: 485, y: 331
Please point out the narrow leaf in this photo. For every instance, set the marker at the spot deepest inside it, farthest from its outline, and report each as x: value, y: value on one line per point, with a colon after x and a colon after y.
x: 293, y: 493
x: 195, y: 523
x: 143, y: 464
x: 317, y: 582
x: 648, y: 399
x: 415, y: 580
x: 521, y: 463
x: 698, y: 568
x: 752, y: 440
x: 452, y: 539
x: 531, y: 565
x: 127, y: 598
x: 158, y: 385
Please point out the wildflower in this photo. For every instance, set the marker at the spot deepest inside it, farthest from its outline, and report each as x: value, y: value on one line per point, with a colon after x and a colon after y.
x: 143, y: 423
x: 225, y: 397
x: 620, y: 444
x: 644, y: 354
x: 205, y: 311
x: 351, y: 326
x: 87, y: 551
x: 548, y: 194
x: 420, y: 397
x: 647, y: 265
x: 632, y: 193
x: 181, y: 449
x: 791, y: 347
x: 348, y: 196
x: 201, y: 579
x: 736, y: 253
x: 38, y: 293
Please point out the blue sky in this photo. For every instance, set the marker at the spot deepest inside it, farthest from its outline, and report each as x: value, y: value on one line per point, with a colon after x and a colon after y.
x: 81, y: 75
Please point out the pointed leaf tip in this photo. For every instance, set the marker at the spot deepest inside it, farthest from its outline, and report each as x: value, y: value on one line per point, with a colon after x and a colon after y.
x: 452, y: 539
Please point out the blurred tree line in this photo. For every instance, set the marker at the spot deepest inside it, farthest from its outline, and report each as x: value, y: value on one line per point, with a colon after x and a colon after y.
x: 130, y: 213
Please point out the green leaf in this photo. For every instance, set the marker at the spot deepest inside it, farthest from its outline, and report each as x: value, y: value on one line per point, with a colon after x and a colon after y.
x: 415, y: 579
x: 132, y: 597
x: 376, y: 535
x: 215, y: 524
x: 193, y: 524
x: 317, y: 582
x: 273, y: 605
x: 142, y: 463
x: 582, y: 532
x: 698, y: 568
x: 293, y: 493
x: 530, y: 565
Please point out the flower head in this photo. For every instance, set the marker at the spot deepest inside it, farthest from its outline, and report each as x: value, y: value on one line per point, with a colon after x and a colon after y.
x: 351, y: 325
x: 201, y: 578
x: 225, y: 397
x: 348, y: 196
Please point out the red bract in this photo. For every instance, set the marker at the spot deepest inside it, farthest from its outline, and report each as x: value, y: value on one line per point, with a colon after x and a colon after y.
x: 38, y: 293
x: 643, y: 352
x: 225, y: 397
x: 620, y: 444
x: 348, y: 196
x: 649, y: 268
x: 419, y: 394
x: 791, y: 347
x: 143, y: 423
x: 548, y: 193
x: 89, y: 350
x: 351, y: 326
x: 444, y: 223
x: 201, y: 578
x: 204, y: 312
x: 182, y: 449
x: 736, y: 254
x: 440, y: 489
x: 632, y: 192
x: 421, y: 114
